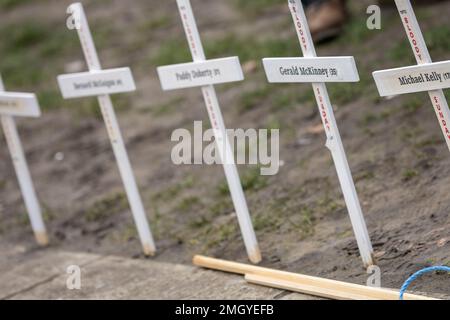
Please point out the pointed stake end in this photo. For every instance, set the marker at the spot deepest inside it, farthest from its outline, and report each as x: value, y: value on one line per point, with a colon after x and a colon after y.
x: 372, y: 262
x: 255, y: 256
x: 149, y: 250
x: 41, y: 238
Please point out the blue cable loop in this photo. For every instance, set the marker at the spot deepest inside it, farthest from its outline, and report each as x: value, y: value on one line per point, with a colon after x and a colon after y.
x: 418, y: 274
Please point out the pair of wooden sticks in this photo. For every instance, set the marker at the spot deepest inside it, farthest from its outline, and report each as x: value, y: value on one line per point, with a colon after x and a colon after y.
x: 315, y: 286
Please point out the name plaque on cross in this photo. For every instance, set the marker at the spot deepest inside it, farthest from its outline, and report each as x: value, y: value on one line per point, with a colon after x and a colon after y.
x: 15, y: 104
x: 96, y: 83
x: 206, y: 73
x: 420, y: 78
x: 308, y: 70
x: 318, y: 71
x: 18, y: 104
x: 199, y: 74
x: 425, y: 76
x: 102, y: 83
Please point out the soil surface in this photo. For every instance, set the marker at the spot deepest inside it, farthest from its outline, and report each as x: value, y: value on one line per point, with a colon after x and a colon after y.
x: 398, y: 157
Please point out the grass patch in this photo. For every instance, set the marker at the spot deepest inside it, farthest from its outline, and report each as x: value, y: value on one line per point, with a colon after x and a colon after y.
x: 365, y: 175
x: 171, y: 52
x: 26, y: 35
x: 252, y: 99
x: 9, y: 4
x: 306, y: 219
x: 166, y: 108
x: 370, y: 118
x: 356, y: 31
x: 252, y: 180
x: 176, y: 50
x: 273, y: 124
x: 222, y: 206
x: 89, y: 107
x: 156, y: 219
x: 199, y: 223
x: 254, y: 7
x: 292, y: 97
x: 447, y: 94
x: 50, y: 99
x: 264, y: 221
x: 27, y: 49
x: 409, y: 174
x: 48, y: 215
x: 438, y: 38
x: 18, y: 70
x: 174, y: 190
x: 328, y: 205
x: 188, y: 203
x: 159, y: 22
x: 276, y: 97
x: 401, y: 53
x: 282, y: 212
x: 219, y: 234
x: 429, y: 142
x: 344, y: 93
x: 129, y: 233
x: 307, y: 96
x: 414, y: 103
x: 282, y: 100
x: 106, y: 207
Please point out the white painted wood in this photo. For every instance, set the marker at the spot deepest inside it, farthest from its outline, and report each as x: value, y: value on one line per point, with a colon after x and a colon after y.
x: 19, y: 104
x: 334, y: 143
x: 201, y: 73
x: 221, y: 138
x: 422, y: 55
x: 96, y: 83
x: 320, y: 69
x: 115, y: 135
x: 424, y: 77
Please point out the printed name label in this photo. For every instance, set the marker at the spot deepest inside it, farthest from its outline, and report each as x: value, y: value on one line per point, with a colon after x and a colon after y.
x: 320, y: 69
x: 425, y: 77
x: 96, y: 83
x: 19, y: 104
x: 196, y: 74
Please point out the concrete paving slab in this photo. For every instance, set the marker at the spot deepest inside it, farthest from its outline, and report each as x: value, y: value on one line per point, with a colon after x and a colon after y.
x: 43, y: 276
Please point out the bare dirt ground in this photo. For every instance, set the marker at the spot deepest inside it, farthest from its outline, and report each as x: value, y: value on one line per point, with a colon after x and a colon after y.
x: 397, y: 154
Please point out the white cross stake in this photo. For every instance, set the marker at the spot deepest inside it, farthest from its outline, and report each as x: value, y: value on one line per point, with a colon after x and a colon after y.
x: 317, y: 71
x: 426, y: 76
x: 101, y: 83
x: 205, y: 73
x: 14, y: 104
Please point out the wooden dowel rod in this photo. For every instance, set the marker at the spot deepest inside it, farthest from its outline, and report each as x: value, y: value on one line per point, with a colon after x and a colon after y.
x: 320, y: 291
x: 349, y: 288
x: 302, y: 288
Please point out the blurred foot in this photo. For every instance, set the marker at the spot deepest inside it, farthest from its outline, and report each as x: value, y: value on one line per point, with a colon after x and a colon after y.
x: 326, y: 18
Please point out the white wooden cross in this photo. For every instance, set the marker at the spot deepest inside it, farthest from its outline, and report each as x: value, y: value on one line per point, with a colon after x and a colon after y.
x: 315, y: 70
x: 426, y: 76
x: 13, y: 104
x: 205, y: 73
x: 102, y: 83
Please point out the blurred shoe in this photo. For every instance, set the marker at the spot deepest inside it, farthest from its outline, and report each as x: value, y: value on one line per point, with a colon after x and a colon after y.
x: 326, y: 18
